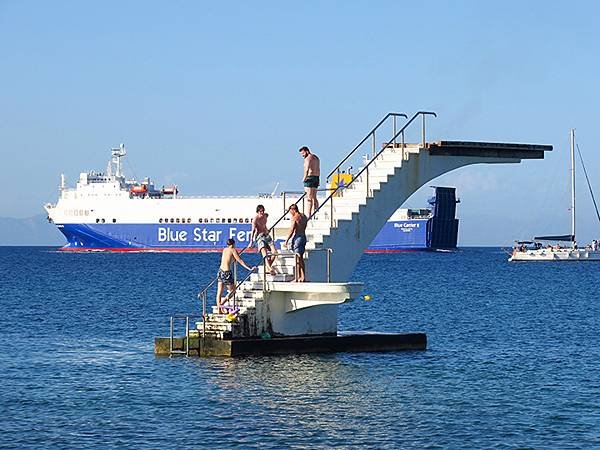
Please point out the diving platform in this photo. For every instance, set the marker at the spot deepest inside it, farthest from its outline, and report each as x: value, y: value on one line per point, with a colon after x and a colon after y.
x: 488, y: 149
x: 271, y: 313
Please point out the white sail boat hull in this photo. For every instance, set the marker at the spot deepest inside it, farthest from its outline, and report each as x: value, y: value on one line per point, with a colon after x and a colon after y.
x: 545, y: 254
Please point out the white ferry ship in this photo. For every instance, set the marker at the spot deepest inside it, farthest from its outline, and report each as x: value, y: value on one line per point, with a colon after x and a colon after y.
x: 107, y: 212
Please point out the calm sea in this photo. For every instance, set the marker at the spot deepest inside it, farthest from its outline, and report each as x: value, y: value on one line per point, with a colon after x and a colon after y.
x: 513, y: 358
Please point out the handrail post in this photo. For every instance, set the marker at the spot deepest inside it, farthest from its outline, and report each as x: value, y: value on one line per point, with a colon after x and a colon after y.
x: 367, y: 182
x: 284, y: 211
x: 171, y: 336
x: 264, y: 276
x: 235, y: 272
x: 394, y: 119
x: 374, y: 143
x: 402, y: 134
x: 329, y: 265
x: 331, y: 210
x: 187, y: 336
x: 203, y: 313
x: 423, y: 131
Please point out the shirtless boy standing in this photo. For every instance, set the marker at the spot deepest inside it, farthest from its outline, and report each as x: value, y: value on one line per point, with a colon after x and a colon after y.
x: 298, y: 231
x: 225, y: 274
x: 264, y: 242
x: 310, y: 178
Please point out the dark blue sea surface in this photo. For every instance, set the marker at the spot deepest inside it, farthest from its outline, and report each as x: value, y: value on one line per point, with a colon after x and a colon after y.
x: 513, y: 358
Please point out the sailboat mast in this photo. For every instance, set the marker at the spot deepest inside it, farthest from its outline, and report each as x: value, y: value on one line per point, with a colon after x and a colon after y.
x: 572, y: 139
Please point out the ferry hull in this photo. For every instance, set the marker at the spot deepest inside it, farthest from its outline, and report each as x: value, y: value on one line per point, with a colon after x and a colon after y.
x: 395, y: 236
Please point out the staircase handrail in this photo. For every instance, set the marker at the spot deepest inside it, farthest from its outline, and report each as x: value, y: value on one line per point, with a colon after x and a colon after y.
x: 375, y: 128
x: 406, y: 125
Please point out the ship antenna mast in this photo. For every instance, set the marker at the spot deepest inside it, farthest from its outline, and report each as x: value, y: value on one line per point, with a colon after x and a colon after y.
x: 117, y: 154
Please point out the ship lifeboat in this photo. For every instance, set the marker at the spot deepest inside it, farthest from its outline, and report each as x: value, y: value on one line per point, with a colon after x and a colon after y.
x: 169, y: 190
x: 141, y: 189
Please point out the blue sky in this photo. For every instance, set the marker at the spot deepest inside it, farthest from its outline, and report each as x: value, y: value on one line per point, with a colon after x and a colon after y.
x: 218, y: 96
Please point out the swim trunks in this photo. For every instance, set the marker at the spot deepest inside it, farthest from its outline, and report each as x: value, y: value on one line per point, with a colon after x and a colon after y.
x: 299, y: 244
x: 311, y: 181
x: 263, y: 240
x: 225, y: 276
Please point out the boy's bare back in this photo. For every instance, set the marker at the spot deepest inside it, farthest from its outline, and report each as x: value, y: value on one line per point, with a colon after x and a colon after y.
x: 300, y: 220
x: 227, y: 258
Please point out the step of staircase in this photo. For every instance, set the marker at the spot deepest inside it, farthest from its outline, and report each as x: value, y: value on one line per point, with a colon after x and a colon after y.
x: 245, y: 307
x: 280, y: 277
x: 386, y: 164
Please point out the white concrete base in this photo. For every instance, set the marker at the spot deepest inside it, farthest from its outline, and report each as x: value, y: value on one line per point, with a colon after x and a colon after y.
x: 295, y: 309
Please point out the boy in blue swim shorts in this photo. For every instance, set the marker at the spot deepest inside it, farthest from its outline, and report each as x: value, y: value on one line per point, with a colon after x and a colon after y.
x: 298, y: 235
x: 225, y: 274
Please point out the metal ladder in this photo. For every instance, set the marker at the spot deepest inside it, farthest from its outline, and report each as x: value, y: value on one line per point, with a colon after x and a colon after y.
x: 186, y: 350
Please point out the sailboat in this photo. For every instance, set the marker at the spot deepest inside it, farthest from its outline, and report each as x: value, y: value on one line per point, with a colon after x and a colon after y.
x: 536, y: 251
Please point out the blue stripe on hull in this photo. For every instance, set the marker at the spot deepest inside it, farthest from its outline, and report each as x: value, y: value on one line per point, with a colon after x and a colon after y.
x: 201, y: 236
x: 394, y: 236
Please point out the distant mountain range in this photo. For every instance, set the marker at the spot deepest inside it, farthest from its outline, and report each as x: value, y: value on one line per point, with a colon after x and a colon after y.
x: 30, y: 231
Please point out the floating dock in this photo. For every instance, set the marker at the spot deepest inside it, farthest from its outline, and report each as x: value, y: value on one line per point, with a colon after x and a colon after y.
x: 343, y: 342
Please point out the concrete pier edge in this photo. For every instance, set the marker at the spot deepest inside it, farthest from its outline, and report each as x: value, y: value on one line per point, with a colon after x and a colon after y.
x: 343, y: 342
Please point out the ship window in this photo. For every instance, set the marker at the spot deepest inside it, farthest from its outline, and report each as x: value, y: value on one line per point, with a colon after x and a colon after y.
x: 114, y: 220
x: 177, y: 220
x: 172, y: 220
x: 241, y: 220
x: 166, y: 220
x: 189, y: 220
x: 247, y: 220
x: 75, y: 212
x: 228, y: 220
x: 212, y: 220
x: 159, y: 220
x: 205, y: 220
x: 97, y: 220
x: 223, y: 221
x: 103, y: 220
x: 234, y: 220
x: 218, y: 220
